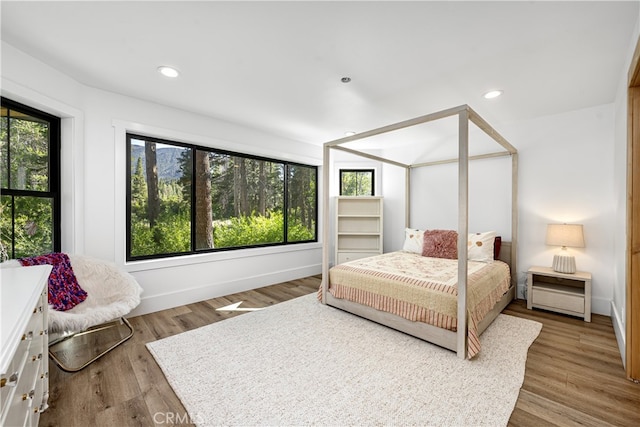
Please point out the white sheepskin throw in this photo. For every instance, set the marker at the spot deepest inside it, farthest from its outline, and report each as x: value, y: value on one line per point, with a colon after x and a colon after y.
x: 111, y: 293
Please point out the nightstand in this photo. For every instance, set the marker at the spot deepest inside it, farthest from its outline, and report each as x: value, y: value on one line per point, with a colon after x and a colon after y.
x: 560, y: 292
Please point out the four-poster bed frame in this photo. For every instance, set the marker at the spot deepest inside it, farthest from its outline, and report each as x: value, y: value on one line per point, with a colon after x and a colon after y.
x: 456, y: 341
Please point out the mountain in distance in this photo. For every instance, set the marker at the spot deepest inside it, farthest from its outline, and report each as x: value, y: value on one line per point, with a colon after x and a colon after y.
x: 167, y: 158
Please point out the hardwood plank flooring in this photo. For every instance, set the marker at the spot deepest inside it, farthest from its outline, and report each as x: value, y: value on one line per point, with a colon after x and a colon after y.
x: 574, y: 374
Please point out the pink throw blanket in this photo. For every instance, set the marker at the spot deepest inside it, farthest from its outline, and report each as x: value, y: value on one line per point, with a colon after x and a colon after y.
x: 64, y: 290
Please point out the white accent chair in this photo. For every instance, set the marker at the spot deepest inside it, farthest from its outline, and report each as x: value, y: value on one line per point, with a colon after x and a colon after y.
x: 111, y: 294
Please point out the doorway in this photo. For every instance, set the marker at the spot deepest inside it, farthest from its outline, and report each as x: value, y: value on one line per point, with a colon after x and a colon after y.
x: 632, y: 356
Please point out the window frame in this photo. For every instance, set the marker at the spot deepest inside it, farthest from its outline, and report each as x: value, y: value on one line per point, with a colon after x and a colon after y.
x: 129, y: 135
x: 54, y: 179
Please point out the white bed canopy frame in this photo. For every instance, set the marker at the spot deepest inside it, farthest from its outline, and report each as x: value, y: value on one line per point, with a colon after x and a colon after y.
x: 465, y: 114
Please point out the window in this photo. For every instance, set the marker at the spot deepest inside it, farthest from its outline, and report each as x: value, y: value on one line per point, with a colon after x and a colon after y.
x: 356, y: 182
x: 184, y: 199
x: 29, y: 181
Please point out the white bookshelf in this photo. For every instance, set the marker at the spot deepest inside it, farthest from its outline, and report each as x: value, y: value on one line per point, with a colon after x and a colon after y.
x: 358, y: 227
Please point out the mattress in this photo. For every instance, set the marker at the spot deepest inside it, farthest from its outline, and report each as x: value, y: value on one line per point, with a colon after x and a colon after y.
x: 422, y: 289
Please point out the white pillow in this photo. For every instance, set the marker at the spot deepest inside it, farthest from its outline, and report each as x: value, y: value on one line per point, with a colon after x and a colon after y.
x: 413, y: 240
x: 480, y: 246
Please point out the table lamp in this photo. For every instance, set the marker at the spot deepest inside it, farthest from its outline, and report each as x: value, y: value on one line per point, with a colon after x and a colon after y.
x: 565, y: 235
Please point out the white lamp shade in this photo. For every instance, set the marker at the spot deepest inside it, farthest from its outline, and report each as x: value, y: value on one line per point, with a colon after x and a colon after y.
x: 570, y: 235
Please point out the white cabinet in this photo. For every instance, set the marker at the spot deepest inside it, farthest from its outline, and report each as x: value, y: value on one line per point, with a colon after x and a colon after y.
x: 358, y: 227
x: 24, y: 361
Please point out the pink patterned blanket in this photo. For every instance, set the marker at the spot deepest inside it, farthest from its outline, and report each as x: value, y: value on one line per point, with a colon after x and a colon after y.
x: 64, y: 290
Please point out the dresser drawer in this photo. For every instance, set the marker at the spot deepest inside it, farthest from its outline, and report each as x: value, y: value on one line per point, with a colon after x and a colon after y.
x: 37, y: 320
x: 24, y: 363
x: 17, y: 414
x: 27, y: 394
x: 351, y: 256
x: 14, y: 373
x: 545, y: 297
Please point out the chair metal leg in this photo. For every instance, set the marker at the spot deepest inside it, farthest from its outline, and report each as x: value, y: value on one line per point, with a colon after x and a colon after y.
x: 66, y: 368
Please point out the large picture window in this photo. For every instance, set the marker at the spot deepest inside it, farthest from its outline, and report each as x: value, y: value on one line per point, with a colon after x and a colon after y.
x: 29, y: 181
x: 185, y: 199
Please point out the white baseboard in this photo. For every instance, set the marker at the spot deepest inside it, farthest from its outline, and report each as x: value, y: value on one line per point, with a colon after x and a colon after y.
x: 619, y: 329
x: 180, y: 297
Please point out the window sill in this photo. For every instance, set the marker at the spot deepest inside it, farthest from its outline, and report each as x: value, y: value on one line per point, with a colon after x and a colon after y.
x: 178, y: 261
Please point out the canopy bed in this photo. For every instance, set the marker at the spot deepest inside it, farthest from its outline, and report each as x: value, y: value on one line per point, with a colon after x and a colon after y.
x: 466, y: 316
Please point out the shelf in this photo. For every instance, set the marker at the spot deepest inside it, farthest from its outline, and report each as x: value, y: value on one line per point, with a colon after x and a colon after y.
x: 570, y: 290
x: 358, y: 228
x: 359, y: 225
x: 357, y: 233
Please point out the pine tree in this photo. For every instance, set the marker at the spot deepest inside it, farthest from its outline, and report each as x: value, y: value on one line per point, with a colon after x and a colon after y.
x: 138, y: 190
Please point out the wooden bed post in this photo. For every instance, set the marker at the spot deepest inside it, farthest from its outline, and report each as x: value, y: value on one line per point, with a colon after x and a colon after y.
x: 326, y: 225
x: 407, y: 197
x: 514, y: 222
x: 463, y: 226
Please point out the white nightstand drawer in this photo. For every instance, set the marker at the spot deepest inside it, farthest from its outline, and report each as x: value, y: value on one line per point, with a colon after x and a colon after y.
x: 567, y: 293
x: 547, y: 297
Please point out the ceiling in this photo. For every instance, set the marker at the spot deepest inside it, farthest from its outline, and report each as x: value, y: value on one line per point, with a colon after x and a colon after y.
x: 277, y: 66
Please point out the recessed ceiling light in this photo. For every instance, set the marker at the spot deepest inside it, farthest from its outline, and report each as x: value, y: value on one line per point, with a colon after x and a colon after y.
x: 345, y: 79
x: 350, y: 133
x: 168, y: 71
x: 492, y: 94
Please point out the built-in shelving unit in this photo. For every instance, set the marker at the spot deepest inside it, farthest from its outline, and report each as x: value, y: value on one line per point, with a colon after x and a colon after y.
x: 358, y: 227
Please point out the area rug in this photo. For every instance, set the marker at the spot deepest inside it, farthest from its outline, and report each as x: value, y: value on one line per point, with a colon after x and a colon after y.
x: 303, y: 363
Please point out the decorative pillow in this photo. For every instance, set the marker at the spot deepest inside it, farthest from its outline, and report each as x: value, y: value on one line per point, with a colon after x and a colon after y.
x: 480, y: 246
x: 413, y: 240
x: 440, y: 244
x: 64, y: 290
x: 497, y: 243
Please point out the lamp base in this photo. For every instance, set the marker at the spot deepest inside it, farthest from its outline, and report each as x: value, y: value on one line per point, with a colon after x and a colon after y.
x: 564, y: 263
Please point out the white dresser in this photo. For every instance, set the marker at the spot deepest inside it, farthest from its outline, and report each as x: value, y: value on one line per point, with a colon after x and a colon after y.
x: 24, y: 361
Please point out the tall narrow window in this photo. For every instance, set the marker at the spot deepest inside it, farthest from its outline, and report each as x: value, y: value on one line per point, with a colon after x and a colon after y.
x: 302, y: 193
x: 357, y: 182
x: 29, y: 181
x: 187, y: 199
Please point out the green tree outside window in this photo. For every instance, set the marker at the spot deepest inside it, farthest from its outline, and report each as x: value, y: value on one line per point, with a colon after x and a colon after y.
x: 209, y: 200
x: 357, y: 182
x: 29, y: 181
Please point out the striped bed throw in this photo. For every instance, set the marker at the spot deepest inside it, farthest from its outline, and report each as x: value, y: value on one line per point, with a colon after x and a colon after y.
x: 422, y: 289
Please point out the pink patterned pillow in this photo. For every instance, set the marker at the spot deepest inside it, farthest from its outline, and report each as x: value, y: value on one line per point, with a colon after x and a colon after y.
x: 440, y: 244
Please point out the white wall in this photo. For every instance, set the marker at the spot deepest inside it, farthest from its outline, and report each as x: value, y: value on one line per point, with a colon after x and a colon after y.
x: 100, y: 119
x: 619, y: 301
x: 566, y: 175
x: 619, y: 298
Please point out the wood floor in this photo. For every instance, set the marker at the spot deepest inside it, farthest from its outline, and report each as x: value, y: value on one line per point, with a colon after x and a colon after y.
x: 574, y: 374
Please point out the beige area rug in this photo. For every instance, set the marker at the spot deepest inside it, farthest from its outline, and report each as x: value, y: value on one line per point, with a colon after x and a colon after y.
x: 303, y: 363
